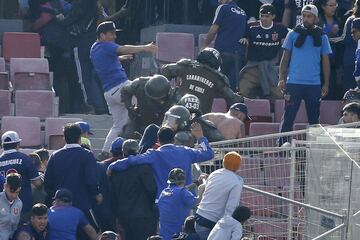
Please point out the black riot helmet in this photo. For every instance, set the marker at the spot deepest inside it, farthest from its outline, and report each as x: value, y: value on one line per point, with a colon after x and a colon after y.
x: 178, y: 116
x: 176, y: 176
x: 157, y: 87
x: 210, y: 57
x: 191, y: 102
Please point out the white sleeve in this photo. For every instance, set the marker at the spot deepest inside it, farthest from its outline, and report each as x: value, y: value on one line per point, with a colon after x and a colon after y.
x: 233, y: 200
x: 237, y: 233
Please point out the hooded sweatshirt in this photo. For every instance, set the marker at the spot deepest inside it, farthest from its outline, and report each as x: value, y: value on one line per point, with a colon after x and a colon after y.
x: 227, y: 228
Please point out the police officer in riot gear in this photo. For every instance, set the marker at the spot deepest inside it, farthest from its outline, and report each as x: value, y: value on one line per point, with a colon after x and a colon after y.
x: 192, y: 103
x: 154, y: 96
x: 202, y: 78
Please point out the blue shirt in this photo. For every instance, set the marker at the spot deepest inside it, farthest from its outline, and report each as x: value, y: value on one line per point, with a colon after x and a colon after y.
x: 107, y: 64
x: 232, y: 22
x: 166, y: 158
x: 64, y: 221
x: 74, y: 168
x: 174, y: 205
x: 304, y: 65
x: 14, y: 161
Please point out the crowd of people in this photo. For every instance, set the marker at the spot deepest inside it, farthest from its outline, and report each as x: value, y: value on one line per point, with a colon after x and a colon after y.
x: 68, y: 194
x: 143, y: 179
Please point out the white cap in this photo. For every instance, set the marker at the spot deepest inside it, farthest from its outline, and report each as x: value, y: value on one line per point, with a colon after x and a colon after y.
x: 310, y: 8
x: 10, y: 137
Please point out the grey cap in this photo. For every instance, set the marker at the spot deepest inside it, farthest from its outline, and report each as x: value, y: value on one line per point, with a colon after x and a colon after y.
x: 130, y: 146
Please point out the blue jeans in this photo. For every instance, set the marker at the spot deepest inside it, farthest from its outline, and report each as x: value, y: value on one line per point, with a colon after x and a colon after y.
x: 232, y: 63
x: 311, y: 94
x: 203, y: 232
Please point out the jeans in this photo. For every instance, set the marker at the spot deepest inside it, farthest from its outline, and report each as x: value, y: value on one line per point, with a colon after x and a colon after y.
x: 119, y: 114
x: 202, y: 231
x: 232, y: 63
x: 311, y: 94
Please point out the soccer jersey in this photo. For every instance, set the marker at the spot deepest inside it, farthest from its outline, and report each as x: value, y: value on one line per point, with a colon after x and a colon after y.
x: 296, y: 7
x: 232, y: 27
x: 265, y: 43
x: 14, y: 161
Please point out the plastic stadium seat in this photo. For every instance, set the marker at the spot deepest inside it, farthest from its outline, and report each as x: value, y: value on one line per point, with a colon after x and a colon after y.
x: 219, y: 105
x: 28, y: 129
x: 54, y: 131
x: 270, y: 229
x: 5, y: 105
x: 251, y: 171
x: 34, y: 103
x: 30, y: 73
x: 174, y: 46
x: 202, y: 38
x: 21, y: 45
x: 330, y: 111
x: 261, y: 205
x: 259, y: 108
x: 262, y: 128
x: 301, y: 116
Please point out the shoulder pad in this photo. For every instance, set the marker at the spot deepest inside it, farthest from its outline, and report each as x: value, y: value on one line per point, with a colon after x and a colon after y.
x: 185, y: 61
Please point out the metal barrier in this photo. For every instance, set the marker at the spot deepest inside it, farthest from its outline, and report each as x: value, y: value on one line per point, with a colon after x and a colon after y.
x: 304, y: 190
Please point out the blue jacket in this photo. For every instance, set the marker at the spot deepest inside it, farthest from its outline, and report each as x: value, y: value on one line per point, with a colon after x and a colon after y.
x: 174, y: 205
x: 165, y: 158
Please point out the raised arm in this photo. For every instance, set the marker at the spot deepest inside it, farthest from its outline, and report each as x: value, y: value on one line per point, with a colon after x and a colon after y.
x: 132, y: 49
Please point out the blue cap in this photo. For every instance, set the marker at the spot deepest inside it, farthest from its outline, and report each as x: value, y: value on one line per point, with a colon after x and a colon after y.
x: 116, y: 145
x: 356, y: 23
x: 85, y: 127
x: 63, y: 194
x: 241, y: 107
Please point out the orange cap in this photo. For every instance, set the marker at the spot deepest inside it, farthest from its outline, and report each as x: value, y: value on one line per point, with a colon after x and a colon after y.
x: 232, y: 161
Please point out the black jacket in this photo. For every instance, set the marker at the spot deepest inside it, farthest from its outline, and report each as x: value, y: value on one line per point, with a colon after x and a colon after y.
x: 134, y: 192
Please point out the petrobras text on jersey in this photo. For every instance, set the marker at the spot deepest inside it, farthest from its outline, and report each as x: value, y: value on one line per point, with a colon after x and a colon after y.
x: 11, y: 162
x: 200, y: 79
x: 266, y: 44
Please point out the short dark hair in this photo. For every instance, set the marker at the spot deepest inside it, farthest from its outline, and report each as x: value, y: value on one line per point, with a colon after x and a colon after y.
x: 35, y: 159
x: 72, y: 133
x: 166, y: 135
x: 14, y: 181
x: 43, y: 154
x: 241, y: 214
x: 353, y: 107
x: 39, y: 209
x: 9, y: 146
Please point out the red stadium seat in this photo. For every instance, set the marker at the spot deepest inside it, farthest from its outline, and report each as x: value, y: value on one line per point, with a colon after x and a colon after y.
x: 5, y: 106
x: 262, y: 128
x: 53, y: 131
x: 330, y: 112
x: 301, y: 116
x: 30, y: 73
x: 28, y: 129
x: 202, y: 38
x: 174, y: 46
x: 21, y: 45
x: 34, y: 103
x: 219, y: 105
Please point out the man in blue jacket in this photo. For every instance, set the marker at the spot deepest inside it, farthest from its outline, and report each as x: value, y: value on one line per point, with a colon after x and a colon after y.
x: 169, y: 156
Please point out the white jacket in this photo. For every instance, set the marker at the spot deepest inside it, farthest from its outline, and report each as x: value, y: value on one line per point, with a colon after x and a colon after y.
x: 221, y: 196
x: 226, y: 228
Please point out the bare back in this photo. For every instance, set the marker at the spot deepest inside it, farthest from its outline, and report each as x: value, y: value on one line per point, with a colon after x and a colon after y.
x: 230, y: 127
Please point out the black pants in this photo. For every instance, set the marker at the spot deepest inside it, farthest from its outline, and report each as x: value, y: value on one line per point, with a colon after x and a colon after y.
x: 139, y: 228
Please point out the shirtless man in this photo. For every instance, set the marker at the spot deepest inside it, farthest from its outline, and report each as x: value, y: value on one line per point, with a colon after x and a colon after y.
x: 230, y: 124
